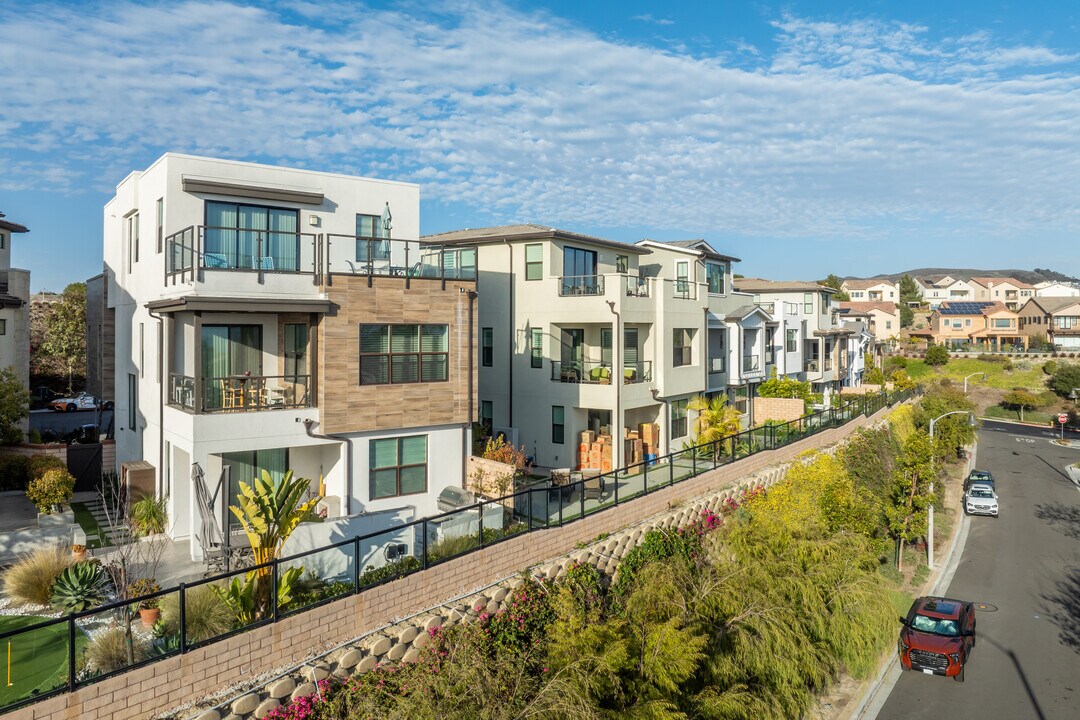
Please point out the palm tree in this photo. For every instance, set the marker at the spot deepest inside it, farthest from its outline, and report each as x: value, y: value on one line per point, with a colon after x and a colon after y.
x: 715, y: 420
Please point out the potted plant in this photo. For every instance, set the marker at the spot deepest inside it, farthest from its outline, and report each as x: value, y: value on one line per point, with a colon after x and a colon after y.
x: 78, y: 552
x: 149, y: 610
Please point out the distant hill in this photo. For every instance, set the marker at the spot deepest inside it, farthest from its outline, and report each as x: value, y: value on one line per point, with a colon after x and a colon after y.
x: 1029, y: 276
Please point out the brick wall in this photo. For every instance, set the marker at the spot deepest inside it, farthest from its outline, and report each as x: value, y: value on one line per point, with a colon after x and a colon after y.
x: 57, y: 450
x: 175, y: 681
x: 782, y: 409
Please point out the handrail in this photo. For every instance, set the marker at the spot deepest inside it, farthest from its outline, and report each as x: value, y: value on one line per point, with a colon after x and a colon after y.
x: 728, y: 449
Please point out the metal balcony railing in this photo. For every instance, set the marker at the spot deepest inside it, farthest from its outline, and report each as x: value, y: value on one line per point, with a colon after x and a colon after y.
x: 240, y: 393
x: 751, y: 363
x: 581, y: 285
x: 598, y: 373
x: 634, y: 286
x: 684, y: 290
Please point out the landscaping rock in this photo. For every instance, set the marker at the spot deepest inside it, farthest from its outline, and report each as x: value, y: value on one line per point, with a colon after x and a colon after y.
x: 396, y: 653
x: 303, y: 691
x: 411, y: 656
x: 245, y: 704
x: 349, y: 660
x: 210, y: 715
x: 282, y: 687
x: 318, y: 672
x: 499, y: 595
x: 432, y: 623
x: 381, y: 646
x: 367, y: 664
x: 407, y: 635
x: 267, y: 705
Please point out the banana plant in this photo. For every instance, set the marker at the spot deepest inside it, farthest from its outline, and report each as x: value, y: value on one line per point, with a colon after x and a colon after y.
x: 243, y: 597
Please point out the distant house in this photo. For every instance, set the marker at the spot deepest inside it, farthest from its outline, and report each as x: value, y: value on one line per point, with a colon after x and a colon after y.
x: 1010, y: 291
x: 871, y: 290
x: 883, y: 318
x: 990, y: 325
x: 1054, y: 288
x: 1058, y: 318
x: 937, y: 289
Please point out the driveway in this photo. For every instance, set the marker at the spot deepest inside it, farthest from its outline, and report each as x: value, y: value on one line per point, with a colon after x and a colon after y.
x: 1025, y: 566
x: 64, y: 423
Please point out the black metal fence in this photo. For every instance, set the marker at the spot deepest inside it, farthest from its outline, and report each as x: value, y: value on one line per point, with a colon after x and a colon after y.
x: 55, y: 656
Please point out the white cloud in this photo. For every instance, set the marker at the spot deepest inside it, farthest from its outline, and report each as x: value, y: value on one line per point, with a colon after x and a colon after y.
x: 647, y: 18
x: 525, y: 116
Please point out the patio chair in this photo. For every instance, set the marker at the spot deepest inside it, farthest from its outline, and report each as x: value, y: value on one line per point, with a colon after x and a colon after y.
x: 600, y: 375
x: 215, y: 260
x: 262, y: 263
x: 593, y: 484
x: 629, y: 376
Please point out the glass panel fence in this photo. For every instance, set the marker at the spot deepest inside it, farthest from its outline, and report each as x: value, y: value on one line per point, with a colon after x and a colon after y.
x: 390, y: 554
x: 316, y: 577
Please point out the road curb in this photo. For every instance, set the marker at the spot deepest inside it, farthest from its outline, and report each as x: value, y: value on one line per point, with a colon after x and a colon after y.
x: 888, y: 670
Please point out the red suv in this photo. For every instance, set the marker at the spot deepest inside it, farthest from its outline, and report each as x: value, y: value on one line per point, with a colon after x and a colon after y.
x: 937, y: 636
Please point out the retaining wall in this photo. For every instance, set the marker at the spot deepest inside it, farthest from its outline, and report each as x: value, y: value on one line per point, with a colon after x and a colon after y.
x: 175, y: 681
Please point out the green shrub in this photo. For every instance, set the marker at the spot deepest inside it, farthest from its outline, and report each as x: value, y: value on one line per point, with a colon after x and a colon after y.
x: 1049, y: 367
x: 149, y: 515
x: 371, y: 576
x: 206, y: 614
x: 108, y: 650
x: 79, y: 587
x: 1064, y: 379
x: 14, y: 472
x: 309, y: 591
x: 144, y: 586
x: 449, y: 547
x: 30, y: 579
x: 937, y: 355
x: 41, y: 464
x: 48, y: 492
x: 33, y: 437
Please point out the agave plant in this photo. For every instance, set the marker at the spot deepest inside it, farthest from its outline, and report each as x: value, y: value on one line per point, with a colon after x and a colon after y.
x: 82, y: 586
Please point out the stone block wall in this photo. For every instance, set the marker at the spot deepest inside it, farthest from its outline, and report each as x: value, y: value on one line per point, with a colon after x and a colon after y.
x: 173, y: 682
x: 782, y: 409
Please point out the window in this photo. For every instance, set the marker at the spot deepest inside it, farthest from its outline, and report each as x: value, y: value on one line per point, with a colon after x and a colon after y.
x: 396, y: 354
x: 682, y: 342
x: 808, y: 303
x: 398, y: 466
x: 487, y: 413
x: 622, y: 263
x: 1002, y: 322
x: 160, y: 223
x: 372, y: 241
x: 487, y: 347
x: 967, y: 322
x: 3, y: 326
x: 791, y: 341
x: 888, y: 324
x: 558, y: 427
x: 678, y: 418
x: 251, y: 237
x: 605, y: 347
x: 133, y: 240
x: 682, y: 272
x: 534, y: 262
x: 537, y: 348
x: 295, y: 352
x: 714, y: 276
x: 133, y: 400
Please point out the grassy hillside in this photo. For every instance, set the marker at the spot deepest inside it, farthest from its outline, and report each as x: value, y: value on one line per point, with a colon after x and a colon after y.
x: 1024, y: 373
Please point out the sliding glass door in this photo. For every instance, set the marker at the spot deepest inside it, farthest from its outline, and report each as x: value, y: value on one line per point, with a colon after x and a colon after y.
x: 579, y: 272
x: 244, y: 467
x: 228, y: 352
x: 250, y: 237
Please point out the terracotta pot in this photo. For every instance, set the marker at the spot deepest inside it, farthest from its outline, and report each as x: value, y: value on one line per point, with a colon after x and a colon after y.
x: 149, y: 616
x: 79, y: 556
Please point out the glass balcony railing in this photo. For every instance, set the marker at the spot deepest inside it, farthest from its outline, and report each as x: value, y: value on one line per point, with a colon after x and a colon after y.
x: 634, y: 286
x: 751, y: 363
x: 598, y: 373
x: 581, y: 285
x: 240, y: 393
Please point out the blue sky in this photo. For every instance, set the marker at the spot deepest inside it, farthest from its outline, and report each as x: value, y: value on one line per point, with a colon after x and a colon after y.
x: 803, y: 137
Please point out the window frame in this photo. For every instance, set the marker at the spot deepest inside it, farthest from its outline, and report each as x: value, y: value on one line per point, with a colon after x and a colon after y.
x: 297, y: 354
x: 487, y: 347
x: 791, y: 341
x: 133, y: 401
x: 160, y: 206
x: 537, y: 265
x: 682, y: 339
x: 398, y: 468
x: 558, y: 429
x: 390, y: 354
x: 710, y: 266
x: 487, y: 415
x: 378, y: 232
x: 808, y: 307
x: 536, y: 350
x: 622, y: 264
x: 677, y: 418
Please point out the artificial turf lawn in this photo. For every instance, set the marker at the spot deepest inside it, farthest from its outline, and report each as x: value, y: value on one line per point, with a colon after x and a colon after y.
x: 39, y: 658
x: 89, y: 524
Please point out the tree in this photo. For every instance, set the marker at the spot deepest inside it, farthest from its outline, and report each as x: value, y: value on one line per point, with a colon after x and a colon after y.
x: 785, y: 387
x: 715, y: 420
x: 1020, y: 401
x: 950, y: 432
x: 1065, y: 379
x: 14, y: 406
x: 65, y: 332
x: 907, y: 316
x: 834, y: 282
x: 909, y: 290
x: 909, y: 495
x: 937, y: 355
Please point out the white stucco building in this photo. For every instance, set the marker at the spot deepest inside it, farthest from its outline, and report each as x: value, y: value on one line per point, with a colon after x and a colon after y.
x: 14, y: 307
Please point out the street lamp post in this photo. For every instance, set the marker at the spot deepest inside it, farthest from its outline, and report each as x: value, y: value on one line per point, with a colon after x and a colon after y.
x: 930, y: 531
x: 971, y: 376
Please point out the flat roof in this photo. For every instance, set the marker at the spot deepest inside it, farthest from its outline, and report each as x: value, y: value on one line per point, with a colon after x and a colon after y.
x: 524, y: 231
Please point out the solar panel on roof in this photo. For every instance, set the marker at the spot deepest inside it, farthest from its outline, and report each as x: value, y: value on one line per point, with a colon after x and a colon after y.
x: 963, y: 308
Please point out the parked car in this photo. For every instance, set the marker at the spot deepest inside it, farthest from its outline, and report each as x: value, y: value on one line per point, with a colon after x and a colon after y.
x: 983, y: 477
x: 82, y: 401
x: 980, y: 499
x: 937, y: 636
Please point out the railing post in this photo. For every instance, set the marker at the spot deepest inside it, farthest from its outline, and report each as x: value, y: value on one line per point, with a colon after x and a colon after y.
x: 479, y: 521
x: 423, y: 543
x: 183, y: 620
x: 560, y: 503
x: 371, y: 265
x: 259, y: 256
x: 72, y: 677
x: 356, y: 564
x: 529, y: 507
x: 693, y: 462
x: 671, y: 469
x: 273, y: 590
x: 581, y: 493
x: 615, y: 479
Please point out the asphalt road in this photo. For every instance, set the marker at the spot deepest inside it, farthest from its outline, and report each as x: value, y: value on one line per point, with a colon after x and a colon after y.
x: 63, y: 423
x: 1026, y: 564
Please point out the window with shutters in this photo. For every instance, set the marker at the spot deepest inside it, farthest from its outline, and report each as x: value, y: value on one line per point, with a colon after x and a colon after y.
x: 397, y: 354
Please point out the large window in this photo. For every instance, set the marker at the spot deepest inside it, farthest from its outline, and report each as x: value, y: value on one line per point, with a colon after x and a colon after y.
x: 251, y: 237
x: 534, y: 262
x: 714, y: 275
x: 133, y: 400
x: 682, y: 350
x: 537, y: 348
x: 791, y: 341
x: 487, y: 347
x: 579, y: 272
x: 372, y: 239
x: 398, y: 466
x: 808, y: 303
x: 396, y: 354
x: 487, y: 414
x: 622, y: 263
x: 296, y: 340
x: 558, y: 424
x: 245, y: 466
x: 678, y: 418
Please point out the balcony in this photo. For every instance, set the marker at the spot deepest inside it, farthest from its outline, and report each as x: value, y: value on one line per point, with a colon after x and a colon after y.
x: 581, y: 285
x: 683, y: 290
x: 769, y: 307
x: 634, y: 286
x: 242, y: 393
x: 598, y: 373
x: 828, y: 364
x: 752, y: 367
x: 813, y: 365
x: 876, y: 296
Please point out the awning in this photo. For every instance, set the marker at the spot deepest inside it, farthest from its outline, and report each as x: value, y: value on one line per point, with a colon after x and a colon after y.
x: 262, y: 192
x: 203, y: 303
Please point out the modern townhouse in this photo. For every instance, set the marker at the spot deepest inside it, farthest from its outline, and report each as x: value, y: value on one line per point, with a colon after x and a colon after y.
x: 579, y: 333
x: 14, y: 308
x: 937, y: 289
x: 269, y: 318
x: 812, y: 343
x: 882, y: 318
x: 1011, y: 292
x: 1058, y: 318
x: 990, y: 325
x: 871, y: 290
x: 1054, y: 288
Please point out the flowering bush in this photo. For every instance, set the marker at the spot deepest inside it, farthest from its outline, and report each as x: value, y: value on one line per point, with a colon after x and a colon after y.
x: 301, y: 708
x: 520, y: 626
x: 51, y: 490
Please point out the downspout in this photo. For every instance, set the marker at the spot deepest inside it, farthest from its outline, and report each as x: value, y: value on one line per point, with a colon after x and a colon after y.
x: 308, y: 423
x: 161, y: 400
x: 617, y: 381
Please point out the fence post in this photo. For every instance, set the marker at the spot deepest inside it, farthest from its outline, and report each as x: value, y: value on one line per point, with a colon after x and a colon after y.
x: 480, y: 523
x: 423, y: 543
x: 581, y: 493
x: 183, y: 620
x: 273, y: 589
x: 693, y: 461
x: 645, y: 477
x: 615, y: 480
x: 72, y: 680
x: 356, y: 564
x: 528, y: 507
x: 671, y: 469
x: 560, y: 504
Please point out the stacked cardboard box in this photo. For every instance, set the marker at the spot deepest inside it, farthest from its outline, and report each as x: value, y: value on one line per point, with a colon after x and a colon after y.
x: 650, y: 438
x: 597, y: 453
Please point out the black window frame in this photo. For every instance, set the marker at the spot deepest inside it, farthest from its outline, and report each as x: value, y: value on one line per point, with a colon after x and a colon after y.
x: 399, y: 467
x: 722, y: 284
x: 558, y: 429
x: 378, y: 232
x: 678, y: 418
x: 237, y: 231
x: 389, y: 355
x: 295, y: 355
x: 536, y: 358
x: 682, y: 353
x: 133, y: 401
x: 487, y: 347
x: 622, y: 264
x: 531, y: 265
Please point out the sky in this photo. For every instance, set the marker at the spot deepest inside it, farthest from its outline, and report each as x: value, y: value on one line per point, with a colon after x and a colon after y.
x: 806, y: 138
